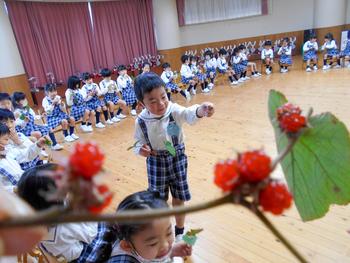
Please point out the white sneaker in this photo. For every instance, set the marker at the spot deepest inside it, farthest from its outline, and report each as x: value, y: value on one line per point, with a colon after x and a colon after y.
x: 193, y: 91
x: 188, y: 95
x: 308, y: 69
x: 69, y: 139
x: 57, y: 147
x: 121, y: 116
x: 267, y: 71
x: 75, y: 137
x: 133, y: 112
x: 210, y: 86
x: 283, y: 70
x: 115, y: 119
x: 206, y: 90
x: 241, y: 80
x: 235, y: 82
x: 325, y: 67
x: 315, y: 68
x: 337, y: 66
x: 109, y: 122
x: 100, y: 125
x: 84, y: 128
x: 89, y: 128
x: 43, y: 153
x: 258, y: 73
x: 246, y: 78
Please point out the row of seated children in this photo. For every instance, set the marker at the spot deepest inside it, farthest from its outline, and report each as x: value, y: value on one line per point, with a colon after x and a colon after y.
x: 103, y: 242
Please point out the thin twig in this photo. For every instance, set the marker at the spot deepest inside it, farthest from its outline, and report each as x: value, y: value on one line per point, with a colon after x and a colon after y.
x: 129, y: 216
x: 253, y: 208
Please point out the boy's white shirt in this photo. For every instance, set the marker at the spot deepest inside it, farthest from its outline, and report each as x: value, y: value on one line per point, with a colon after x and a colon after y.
x: 265, y: 53
x: 236, y: 59
x: 23, y: 123
x: 186, y: 71
x: 12, y: 167
x: 67, y: 239
x: 157, y: 128
x: 194, y: 69
x: 211, y: 63
x: 86, y: 88
x: 285, y: 50
x: 243, y: 56
x: 105, y: 84
x: 50, y: 107
x: 122, y: 81
x: 329, y: 45
x: 23, y: 153
x: 166, y: 76
x: 308, y: 45
x: 221, y: 63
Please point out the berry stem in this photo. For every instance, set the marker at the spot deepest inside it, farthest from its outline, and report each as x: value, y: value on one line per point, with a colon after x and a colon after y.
x: 255, y: 210
x: 289, y: 147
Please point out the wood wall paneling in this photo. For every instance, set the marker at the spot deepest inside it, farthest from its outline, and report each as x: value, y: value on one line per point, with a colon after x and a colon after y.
x: 17, y: 83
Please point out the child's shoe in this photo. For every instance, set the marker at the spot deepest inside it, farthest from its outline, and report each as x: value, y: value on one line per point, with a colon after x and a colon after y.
x: 109, y: 122
x: 258, y: 73
x: 69, y: 139
x: 133, y: 112
x: 241, y: 80
x: 325, y: 67
x: 188, y: 96
x: 235, y: 82
x: 193, y: 91
x: 308, y: 69
x: 57, y: 147
x: 246, y: 78
x: 100, y: 125
x: 89, y: 128
x: 210, y: 86
x: 337, y: 66
x: 206, y: 90
x: 75, y: 137
x: 84, y: 128
x: 315, y: 68
x: 115, y: 119
x: 121, y: 116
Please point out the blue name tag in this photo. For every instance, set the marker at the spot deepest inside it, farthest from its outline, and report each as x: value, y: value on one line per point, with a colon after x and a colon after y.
x: 173, y: 129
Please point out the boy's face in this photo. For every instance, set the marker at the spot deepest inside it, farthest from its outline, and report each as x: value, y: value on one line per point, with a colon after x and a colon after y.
x: 52, y: 94
x: 6, y: 104
x: 108, y: 78
x: 285, y: 43
x: 155, y: 241
x: 122, y: 72
x: 10, y: 124
x: 156, y: 101
x: 4, y: 139
x: 313, y: 40
x: 89, y: 81
x: 193, y: 62
x: 268, y: 47
x: 168, y: 69
x: 146, y: 68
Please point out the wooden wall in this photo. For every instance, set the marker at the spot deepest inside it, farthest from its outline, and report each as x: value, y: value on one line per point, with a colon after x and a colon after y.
x: 16, y: 83
x: 173, y: 55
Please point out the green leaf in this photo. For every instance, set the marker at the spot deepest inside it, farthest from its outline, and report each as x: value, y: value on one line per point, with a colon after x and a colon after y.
x: 194, y: 232
x: 317, y: 169
x: 22, y: 117
x: 170, y: 148
x: 132, y: 146
x: 48, y: 142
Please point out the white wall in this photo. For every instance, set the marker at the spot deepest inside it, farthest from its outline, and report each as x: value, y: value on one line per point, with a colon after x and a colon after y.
x: 348, y: 12
x: 10, y: 62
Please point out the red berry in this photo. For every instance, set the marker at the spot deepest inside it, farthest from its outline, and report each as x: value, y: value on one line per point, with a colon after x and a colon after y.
x: 226, y: 175
x: 275, y: 198
x: 254, y: 166
x: 86, y: 160
x: 292, y: 123
x: 287, y: 108
x: 104, y: 192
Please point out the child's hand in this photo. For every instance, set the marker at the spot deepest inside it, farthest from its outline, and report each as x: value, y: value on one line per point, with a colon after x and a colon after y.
x: 181, y: 249
x: 14, y: 137
x: 206, y: 109
x: 41, y: 142
x: 145, y: 150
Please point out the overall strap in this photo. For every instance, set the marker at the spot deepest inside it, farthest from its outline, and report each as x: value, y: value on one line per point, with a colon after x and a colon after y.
x: 144, y: 131
x: 175, y: 139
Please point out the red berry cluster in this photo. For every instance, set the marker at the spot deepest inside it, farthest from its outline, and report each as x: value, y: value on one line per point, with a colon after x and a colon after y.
x: 85, y: 163
x: 251, y: 170
x: 275, y: 198
x: 290, y: 118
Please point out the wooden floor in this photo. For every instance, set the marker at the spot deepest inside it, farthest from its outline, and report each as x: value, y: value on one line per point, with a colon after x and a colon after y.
x: 241, y: 122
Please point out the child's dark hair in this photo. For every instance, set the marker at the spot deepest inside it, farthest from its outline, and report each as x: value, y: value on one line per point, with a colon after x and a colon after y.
x: 235, y: 51
x: 145, y: 83
x: 73, y: 81
x: 166, y: 65
x: 49, y: 87
x: 86, y: 76
x: 4, y: 130
x: 184, y: 58
x: 208, y: 53
x: 121, y: 67
x: 6, y: 115
x: 286, y: 39
x: 144, y: 64
x: 34, y: 185
x: 16, y: 98
x: 241, y: 47
x: 4, y: 96
x: 222, y: 51
x: 144, y: 200
x: 312, y: 36
x: 106, y: 72
x: 193, y: 58
x: 268, y: 43
x: 329, y: 36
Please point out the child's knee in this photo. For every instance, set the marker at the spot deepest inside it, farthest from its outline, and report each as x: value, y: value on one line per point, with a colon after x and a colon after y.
x: 64, y: 122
